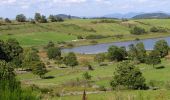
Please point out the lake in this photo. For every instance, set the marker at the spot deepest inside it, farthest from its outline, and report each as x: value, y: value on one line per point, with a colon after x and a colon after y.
x: 100, y: 48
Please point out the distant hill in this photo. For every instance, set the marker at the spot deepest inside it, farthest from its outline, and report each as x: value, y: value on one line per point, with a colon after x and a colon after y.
x: 151, y: 15
x: 64, y: 16
x: 119, y: 15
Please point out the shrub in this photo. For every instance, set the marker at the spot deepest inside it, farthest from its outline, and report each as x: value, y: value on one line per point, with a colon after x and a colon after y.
x: 137, y: 31
x: 87, y: 76
x: 54, y: 53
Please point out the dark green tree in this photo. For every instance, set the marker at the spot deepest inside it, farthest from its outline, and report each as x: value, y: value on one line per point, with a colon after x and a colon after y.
x: 153, y: 58
x: 21, y: 18
x: 116, y: 53
x: 71, y: 60
x: 10, y: 50
x: 162, y: 47
x: 128, y: 76
x: 54, y: 53
x: 7, y: 20
x: 43, y: 19
x: 37, y: 17
x: 39, y: 69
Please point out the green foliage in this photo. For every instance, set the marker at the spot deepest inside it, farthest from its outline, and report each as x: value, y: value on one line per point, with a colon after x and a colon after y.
x: 117, y: 53
x: 10, y: 50
x: 137, y: 31
x: 162, y: 47
x: 157, y: 29
x: 71, y: 60
x: 10, y: 88
x: 21, y: 18
x: 39, y: 69
x: 30, y: 57
x: 99, y: 58
x: 154, y: 58
x: 37, y: 17
x: 54, y: 53
x: 128, y: 76
x: 43, y: 19
x: 137, y: 52
x: 87, y: 76
x: 7, y: 20
x: 53, y: 18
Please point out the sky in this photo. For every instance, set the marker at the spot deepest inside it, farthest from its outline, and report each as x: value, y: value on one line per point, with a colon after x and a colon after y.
x: 86, y: 8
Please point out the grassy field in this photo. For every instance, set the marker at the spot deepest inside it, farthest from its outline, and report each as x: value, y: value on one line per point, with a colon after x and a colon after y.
x: 64, y: 80
x: 41, y: 33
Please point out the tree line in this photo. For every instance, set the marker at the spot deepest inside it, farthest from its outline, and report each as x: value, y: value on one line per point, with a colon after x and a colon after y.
x: 38, y: 18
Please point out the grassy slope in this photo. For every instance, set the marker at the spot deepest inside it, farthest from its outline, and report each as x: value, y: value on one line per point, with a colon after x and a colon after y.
x: 40, y: 34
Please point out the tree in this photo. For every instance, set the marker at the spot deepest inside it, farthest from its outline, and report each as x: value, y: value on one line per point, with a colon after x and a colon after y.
x: 137, y: 30
x: 141, y: 52
x: 162, y: 47
x: 54, y: 53
x: 71, y: 60
x: 87, y: 76
x: 99, y: 58
x: 7, y: 20
x: 37, y: 17
x: 129, y: 76
x: 137, y: 52
x: 43, y: 19
x: 39, y: 69
x: 153, y: 58
x: 116, y: 53
x: 52, y: 18
x: 21, y: 18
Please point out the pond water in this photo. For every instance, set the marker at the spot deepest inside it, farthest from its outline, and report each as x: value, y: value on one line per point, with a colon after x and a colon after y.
x: 100, y: 48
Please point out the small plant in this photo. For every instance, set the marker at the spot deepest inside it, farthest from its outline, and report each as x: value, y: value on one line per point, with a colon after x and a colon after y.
x: 87, y: 76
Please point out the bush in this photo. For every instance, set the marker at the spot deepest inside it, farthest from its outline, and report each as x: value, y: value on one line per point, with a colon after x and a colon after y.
x: 157, y: 29
x: 137, y: 31
x: 87, y: 76
x: 54, y: 53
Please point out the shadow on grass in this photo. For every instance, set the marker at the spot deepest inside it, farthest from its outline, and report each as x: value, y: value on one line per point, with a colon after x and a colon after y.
x: 49, y: 77
x: 160, y: 67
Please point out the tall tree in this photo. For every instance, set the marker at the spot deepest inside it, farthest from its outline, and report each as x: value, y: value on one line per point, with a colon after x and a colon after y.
x: 162, y: 47
x: 141, y: 56
x: 37, y: 17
